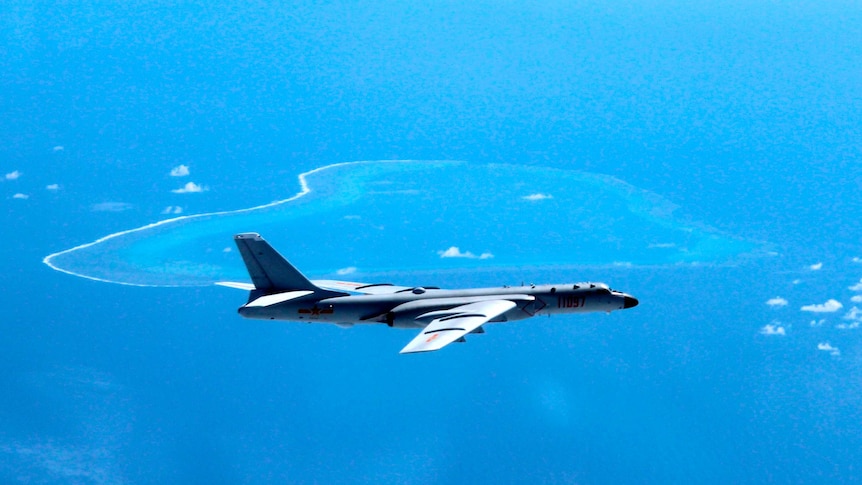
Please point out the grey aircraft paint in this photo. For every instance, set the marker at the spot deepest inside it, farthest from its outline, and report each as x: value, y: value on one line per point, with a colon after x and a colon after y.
x: 281, y: 292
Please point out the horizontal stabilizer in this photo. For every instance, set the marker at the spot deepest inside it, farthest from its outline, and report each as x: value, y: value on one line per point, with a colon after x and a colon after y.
x: 236, y: 284
x: 276, y: 298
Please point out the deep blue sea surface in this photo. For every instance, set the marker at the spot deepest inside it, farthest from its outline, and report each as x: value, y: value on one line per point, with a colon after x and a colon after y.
x: 742, y: 363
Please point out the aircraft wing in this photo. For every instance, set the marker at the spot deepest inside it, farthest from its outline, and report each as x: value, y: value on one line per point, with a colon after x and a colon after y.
x: 450, y: 325
x: 362, y: 288
x: 349, y: 286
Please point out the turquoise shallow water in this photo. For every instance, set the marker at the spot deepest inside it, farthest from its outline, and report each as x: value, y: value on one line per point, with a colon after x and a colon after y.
x: 368, y: 218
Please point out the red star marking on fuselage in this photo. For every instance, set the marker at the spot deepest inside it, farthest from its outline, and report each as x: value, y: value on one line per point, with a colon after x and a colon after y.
x: 315, y: 311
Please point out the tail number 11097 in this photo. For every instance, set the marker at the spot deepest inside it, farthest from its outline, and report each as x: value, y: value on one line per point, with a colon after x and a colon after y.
x: 570, y: 301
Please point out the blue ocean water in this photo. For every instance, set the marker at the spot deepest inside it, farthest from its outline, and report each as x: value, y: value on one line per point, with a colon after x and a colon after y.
x: 745, y: 116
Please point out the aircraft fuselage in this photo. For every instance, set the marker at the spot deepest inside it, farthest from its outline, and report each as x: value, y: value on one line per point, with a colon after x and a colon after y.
x: 400, y: 309
x: 280, y: 292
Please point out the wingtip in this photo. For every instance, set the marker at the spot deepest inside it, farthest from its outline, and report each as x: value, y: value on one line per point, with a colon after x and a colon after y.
x: 412, y: 349
x: 415, y: 351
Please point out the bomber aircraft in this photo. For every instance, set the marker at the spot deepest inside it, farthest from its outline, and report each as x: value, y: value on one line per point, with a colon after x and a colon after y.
x: 280, y: 292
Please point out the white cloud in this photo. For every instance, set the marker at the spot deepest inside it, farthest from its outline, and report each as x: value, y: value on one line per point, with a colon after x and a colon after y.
x: 661, y: 245
x: 346, y: 271
x: 856, y: 287
x: 773, y: 328
x: 21, y: 196
x: 816, y: 266
x: 53, y: 187
x: 190, y: 188
x: 13, y: 175
x: 828, y: 307
x: 856, y: 259
x: 173, y: 209
x: 855, y: 313
x: 111, y: 207
x: 817, y: 323
x: 777, y: 301
x: 535, y: 197
x: 856, y: 298
x: 180, y: 171
x: 855, y: 318
x: 454, y: 252
x: 796, y: 281
x: 227, y: 249
x: 59, y: 148
x: 827, y: 347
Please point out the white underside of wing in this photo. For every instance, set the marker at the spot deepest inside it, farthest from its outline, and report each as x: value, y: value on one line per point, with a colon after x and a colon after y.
x: 450, y: 325
x: 335, y: 285
x: 278, y: 298
x: 355, y: 287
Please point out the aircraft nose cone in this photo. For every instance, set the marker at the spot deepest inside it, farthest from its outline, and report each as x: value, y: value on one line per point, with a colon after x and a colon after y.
x: 630, y: 302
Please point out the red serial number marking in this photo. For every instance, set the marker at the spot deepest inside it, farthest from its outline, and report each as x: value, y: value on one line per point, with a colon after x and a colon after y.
x: 570, y: 301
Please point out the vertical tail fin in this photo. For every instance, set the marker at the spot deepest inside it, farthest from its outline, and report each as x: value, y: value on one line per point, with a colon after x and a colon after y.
x: 269, y: 271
